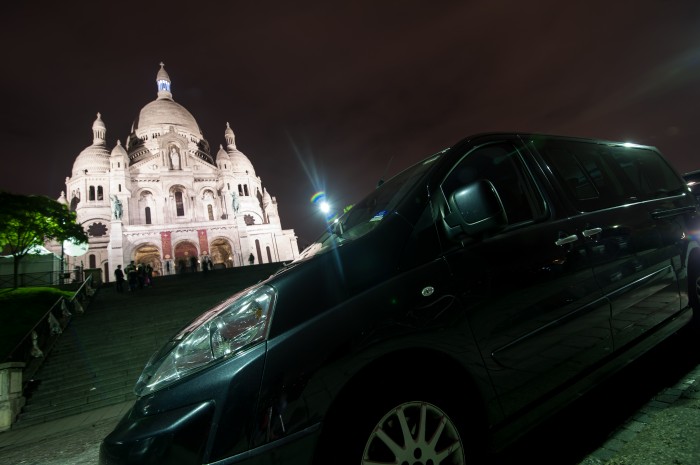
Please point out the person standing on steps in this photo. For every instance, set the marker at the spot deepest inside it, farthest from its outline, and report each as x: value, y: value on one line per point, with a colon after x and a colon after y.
x: 132, y: 276
x: 119, y: 275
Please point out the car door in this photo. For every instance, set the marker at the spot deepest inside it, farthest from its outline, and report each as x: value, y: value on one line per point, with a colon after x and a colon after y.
x: 630, y: 200
x: 528, y: 289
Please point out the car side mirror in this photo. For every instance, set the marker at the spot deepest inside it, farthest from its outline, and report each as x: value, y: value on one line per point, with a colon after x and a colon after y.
x: 474, y: 208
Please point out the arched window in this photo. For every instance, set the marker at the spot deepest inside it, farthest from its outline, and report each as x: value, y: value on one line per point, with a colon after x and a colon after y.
x: 91, y: 193
x: 93, y: 261
x: 100, y: 195
x: 179, y: 205
x: 240, y: 190
x: 148, y: 215
x: 245, y: 187
x: 259, y: 252
x: 210, y: 210
x: 269, y: 254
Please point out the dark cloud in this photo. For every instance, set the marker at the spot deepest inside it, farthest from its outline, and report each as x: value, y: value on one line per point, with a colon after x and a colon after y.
x: 335, y: 95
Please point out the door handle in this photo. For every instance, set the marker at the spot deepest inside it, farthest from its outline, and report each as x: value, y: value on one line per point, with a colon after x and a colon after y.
x: 592, y: 232
x: 566, y: 240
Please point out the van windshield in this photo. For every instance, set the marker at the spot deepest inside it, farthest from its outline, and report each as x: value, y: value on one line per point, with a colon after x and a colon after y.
x: 367, y: 214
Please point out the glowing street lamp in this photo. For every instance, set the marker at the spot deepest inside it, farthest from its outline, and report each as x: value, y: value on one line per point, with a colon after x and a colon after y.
x: 319, y: 199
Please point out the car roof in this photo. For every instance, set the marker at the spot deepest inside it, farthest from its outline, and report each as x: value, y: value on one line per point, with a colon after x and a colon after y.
x: 692, y: 175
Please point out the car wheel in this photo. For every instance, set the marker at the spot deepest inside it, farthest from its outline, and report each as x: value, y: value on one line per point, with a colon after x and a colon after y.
x: 384, y: 422
x: 414, y: 433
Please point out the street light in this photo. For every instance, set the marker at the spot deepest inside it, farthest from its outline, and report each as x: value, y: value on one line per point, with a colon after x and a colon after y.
x: 320, y: 200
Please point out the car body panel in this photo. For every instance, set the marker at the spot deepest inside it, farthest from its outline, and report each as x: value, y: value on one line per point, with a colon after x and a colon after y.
x: 527, y: 316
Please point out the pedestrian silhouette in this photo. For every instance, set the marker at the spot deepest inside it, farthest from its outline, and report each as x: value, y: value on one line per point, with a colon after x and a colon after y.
x: 119, y: 275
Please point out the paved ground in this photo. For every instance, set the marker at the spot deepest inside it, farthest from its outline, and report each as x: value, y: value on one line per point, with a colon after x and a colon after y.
x: 69, y: 441
x: 665, y: 431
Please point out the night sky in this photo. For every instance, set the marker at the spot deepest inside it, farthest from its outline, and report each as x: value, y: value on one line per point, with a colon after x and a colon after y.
x: 329, y: 95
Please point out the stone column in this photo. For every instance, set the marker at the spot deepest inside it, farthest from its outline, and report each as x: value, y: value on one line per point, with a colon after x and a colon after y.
x: 11, y: 398
x: 115, y: 251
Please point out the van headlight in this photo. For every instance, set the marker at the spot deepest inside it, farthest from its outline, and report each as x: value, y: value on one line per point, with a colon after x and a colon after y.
x: 234, y: 325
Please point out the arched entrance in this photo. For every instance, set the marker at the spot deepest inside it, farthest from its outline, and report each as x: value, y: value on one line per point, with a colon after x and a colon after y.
x: 185, y: 251
x: 221, y: 254
x: 149, y: 254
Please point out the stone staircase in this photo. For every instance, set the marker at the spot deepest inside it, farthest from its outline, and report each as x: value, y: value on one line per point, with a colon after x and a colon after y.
x: 100, y: 354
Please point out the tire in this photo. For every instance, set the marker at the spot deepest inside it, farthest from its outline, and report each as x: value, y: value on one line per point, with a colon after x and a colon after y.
x: 395, y: 427
x: 414, y: 432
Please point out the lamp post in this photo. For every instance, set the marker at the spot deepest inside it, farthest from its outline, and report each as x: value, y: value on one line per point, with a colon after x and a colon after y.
x: 60, y: 278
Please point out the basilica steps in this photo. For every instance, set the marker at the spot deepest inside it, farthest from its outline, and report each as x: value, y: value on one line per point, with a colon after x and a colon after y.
x: 100, y: 354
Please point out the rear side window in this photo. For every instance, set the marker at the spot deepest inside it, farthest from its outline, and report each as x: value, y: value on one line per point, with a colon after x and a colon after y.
x: 648, y: 172
x: 599, y: 176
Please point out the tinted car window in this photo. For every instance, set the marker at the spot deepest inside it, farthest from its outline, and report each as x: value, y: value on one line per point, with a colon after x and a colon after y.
x: 365, y: 215
x: 600, y: 176
x: 502, y: 166
x: 648, y: 173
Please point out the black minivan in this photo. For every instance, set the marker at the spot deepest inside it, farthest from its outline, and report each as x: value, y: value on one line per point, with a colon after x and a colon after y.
x: 450, y: 310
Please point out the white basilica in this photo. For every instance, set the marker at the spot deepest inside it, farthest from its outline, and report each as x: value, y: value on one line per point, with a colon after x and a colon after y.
x: 163, y: 199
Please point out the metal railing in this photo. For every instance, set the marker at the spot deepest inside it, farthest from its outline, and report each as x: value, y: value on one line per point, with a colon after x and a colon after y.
x: 38, y: 342
x: 42, y: 278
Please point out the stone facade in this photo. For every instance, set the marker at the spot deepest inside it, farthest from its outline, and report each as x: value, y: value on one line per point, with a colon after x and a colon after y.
x: 11, y: 399
x: 163, y: 199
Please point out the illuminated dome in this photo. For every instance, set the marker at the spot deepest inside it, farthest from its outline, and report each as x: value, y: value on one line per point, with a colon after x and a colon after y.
x: 164, y: 111
x: 118, y: 151
x: 221, y: 155
x: 240, y: 163
x: 95, y: 158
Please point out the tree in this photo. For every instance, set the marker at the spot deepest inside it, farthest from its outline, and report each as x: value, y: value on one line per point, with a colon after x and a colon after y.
x: 27, y: 221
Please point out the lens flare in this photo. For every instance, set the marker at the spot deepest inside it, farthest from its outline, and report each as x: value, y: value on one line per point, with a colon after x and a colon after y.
x: 319, y: 196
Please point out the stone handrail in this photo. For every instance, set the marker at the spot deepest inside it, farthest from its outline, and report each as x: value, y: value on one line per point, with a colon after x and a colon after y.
x: 27, y: 357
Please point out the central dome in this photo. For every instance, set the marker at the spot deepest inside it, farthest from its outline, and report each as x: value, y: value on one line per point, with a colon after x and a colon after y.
x: 166, y: 112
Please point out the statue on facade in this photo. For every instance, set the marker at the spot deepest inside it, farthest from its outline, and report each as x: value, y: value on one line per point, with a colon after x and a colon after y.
x: 234, y: 202
x: 116, y: 207
x: 175, y: 158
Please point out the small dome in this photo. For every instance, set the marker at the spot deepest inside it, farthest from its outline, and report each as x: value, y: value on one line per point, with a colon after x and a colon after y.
x: 221, y: 155
x: 118, y: 151
x: 62, y: 199
x: 240, y: 163
x: 99, y: 125
x: 162, y: 74
x: 94, y: 158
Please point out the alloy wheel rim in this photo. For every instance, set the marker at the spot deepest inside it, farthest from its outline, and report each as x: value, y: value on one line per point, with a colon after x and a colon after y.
x: 414, y: 433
